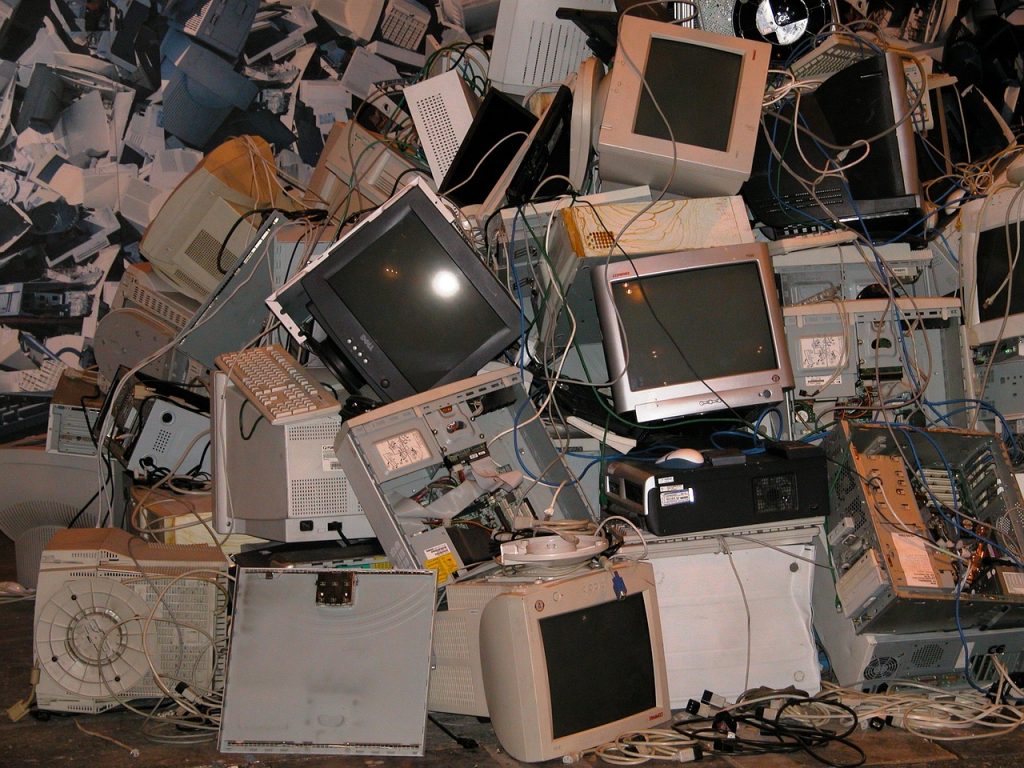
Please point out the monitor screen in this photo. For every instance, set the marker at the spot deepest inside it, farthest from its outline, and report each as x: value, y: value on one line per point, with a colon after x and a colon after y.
x: 996, y: 249
x: 573, y: 662
x: 692, y: 331
x: 709, y: 87
x: 675, y: 348
x: 990, y: 239
x: 406, y: 304
x: 618, y: 677
x: 715, y: 92
x: 411, y: 275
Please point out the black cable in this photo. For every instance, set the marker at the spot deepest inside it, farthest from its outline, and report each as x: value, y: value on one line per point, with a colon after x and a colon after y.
x: 241, y: 429
x: 81, y: 511
x: 239, y: 220
x: 198, y: 468
x: 463, y: 741
x: 399, y: 177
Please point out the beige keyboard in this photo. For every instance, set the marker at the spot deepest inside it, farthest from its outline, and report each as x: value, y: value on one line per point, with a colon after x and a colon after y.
x: 274, y: 381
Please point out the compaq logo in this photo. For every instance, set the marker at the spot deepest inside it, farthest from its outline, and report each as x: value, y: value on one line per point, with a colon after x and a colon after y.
x: 367, y: 342
x: 656, y: 716
x: 712, y: 401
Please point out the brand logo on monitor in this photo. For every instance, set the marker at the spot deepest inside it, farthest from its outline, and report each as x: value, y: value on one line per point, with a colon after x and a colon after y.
x: 367, y: 342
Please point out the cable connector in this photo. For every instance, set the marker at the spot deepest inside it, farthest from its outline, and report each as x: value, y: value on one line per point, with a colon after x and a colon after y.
x: 712, y: 698
x: 19, y: 709
x: 878, y: 723
x: 689, y: 755
x: 700, y: 709
x: 619, y: 586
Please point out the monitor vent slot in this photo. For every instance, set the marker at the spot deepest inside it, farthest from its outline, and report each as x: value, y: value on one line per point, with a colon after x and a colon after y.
x: 553, y: 50
x: 187, y: 281
x: 202, y: 252
x: 321, y: 431
x: 319, y: 497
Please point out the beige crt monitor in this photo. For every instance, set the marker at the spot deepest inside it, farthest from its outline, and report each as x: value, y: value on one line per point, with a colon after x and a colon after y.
x: 694, y: 126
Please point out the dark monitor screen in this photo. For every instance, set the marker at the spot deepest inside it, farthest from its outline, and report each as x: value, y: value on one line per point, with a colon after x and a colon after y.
x: 409, y: 294
x: 406, y: 303
x: 613, y: 679
x: 715, y: 315
x: 695, y: 86
x: 993, y: 264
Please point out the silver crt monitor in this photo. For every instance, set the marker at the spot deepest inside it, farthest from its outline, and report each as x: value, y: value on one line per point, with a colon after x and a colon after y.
x: 693, y: 331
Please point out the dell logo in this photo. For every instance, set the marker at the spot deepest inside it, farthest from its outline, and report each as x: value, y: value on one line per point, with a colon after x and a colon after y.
x: 367, y: 342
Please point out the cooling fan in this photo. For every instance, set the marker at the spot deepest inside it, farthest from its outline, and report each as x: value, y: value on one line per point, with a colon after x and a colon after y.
x: 89, y: 638
x: 111, y: 609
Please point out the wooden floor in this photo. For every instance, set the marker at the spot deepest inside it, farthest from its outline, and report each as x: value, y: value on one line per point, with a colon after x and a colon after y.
x: 57, y: 741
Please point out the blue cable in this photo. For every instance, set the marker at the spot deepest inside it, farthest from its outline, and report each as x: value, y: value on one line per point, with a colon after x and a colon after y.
x: 963, y: 641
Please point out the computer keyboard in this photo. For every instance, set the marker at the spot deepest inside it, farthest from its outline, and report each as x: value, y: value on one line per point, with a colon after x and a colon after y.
x: 23, y: 414
x: 830, y: 56
x: 274, y: 381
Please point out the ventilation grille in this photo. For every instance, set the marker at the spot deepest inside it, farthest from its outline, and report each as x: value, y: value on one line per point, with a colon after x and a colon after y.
x: 322, y: 431
x: 602, y: 240
x: 441, y: 136
x: 554, y: 50
x: 321, y: 497
x: 451, y: 637
x: 776, y: 494
x: 163, y: 439
x: 927, y: 656
x: 453, y: 687
x: 202, y: 252
x: 187, y: 281
x: 159, y: 307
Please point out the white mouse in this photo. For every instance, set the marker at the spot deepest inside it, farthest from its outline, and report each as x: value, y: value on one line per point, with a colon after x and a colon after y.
x: 682, y: 458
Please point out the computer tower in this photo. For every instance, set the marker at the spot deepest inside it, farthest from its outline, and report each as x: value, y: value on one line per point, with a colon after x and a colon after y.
x: 111, y: 610
x: 283, y: 482
x: 442, y: 108
x: 874, y: 661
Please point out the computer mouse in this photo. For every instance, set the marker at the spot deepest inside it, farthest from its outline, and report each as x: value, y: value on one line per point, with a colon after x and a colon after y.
x: 681, y: 458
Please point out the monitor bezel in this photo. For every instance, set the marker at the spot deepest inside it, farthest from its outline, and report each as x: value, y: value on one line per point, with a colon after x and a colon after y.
x: 517, y: 686
x: 355, y: 343
x: 978, y: 217
x: 632, y: 158
x: 762, y: 387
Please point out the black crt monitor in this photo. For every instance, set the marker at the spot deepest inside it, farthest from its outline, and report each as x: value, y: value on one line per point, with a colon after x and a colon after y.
x: 495, y: 136
x: 406, y: 304
x: 693, y: 331
x: 881, y: 193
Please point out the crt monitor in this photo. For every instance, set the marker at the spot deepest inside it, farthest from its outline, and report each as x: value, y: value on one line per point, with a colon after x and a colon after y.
x: 405, y: 302
x: 698, y: 115
x: 989, y: 241
x: 569, y: 664
x: 693, y: 331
